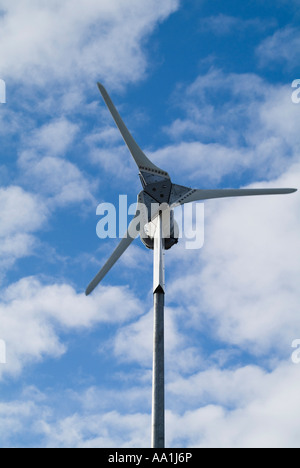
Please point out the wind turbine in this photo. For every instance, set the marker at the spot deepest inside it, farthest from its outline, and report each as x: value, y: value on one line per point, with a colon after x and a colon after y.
x: 154, y: 222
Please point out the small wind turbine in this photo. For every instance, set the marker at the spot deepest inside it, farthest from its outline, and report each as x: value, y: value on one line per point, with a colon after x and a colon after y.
x: 154, y: 222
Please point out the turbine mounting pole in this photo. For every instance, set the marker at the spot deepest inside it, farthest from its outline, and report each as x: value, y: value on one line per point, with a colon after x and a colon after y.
x: 158, y: 384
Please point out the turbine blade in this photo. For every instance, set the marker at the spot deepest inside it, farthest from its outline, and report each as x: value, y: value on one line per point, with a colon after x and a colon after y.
x: 128, y: 238
x: 198, y: 195
x: 143, y: 163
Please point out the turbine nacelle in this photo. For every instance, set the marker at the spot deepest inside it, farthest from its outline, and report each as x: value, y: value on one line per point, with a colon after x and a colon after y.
x: 170, y: 229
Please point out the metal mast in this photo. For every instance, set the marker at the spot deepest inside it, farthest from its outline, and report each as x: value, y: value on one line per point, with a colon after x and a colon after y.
x: 158, y: 385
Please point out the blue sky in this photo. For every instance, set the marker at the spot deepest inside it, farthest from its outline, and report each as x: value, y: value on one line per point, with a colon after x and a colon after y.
x: 205, y: 88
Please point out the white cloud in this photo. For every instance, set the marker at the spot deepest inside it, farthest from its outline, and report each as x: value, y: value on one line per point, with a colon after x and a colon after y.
x: 126, y: 397
x: 225, y: 387
x: 10, y: 122
x: 42, y: 165
x: 282, y: 47
x: 34, y: 419
x: 31, y: 315
x: 15, y: 247
x: 278, y: 118
x: 134, y: 343
x: 54, y: 138
x: 59, y: 180
x: 20, y: 211
x: 218, y: 136
x: 42, y: 41
x: 107, y: 150
x: 99, y: 430
x: 14, y: 416
x: 219, y: 25
x: 243, y: 132
x: 222, y: 25
x: 21, y: 214
x: 246, y: 407
x: 263, y: 416
x: 136, y: 257
x: 244, y: 282
x: 114, y: 160
x: 200, y: 162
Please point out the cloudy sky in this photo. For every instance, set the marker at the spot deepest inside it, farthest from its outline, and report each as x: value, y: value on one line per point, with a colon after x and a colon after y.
x: 206, y: 89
